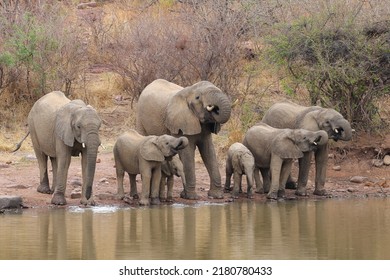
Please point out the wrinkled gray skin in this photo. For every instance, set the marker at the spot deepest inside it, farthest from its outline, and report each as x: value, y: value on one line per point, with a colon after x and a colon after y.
x: 196, y: 112
x: 169, y: 169
x: 290, y: 115
x: 61, y: 128
x: 274, y: 150
x: 138, y: 154
x: 239, y: 161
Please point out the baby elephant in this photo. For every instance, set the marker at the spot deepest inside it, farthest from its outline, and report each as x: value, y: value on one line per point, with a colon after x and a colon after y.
x: 138, y: 154
x: 274, y: 150
x: 169, y: 169
x: 239, y: 161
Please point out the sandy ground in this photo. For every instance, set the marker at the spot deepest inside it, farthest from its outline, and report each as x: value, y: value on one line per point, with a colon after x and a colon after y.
x: 19, y: 175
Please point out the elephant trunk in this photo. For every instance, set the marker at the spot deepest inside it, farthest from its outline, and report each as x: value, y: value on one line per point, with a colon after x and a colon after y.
x: 218, y: 105
x: 92, y: 146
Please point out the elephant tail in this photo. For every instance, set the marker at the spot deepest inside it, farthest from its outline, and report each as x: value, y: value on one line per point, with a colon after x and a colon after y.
x: 20, y: 143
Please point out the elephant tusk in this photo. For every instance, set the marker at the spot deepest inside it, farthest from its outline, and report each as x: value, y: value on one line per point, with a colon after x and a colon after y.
x: 210, y: 108
x: 315, y: 143
x: 336, y: 130
x: 83, y: 145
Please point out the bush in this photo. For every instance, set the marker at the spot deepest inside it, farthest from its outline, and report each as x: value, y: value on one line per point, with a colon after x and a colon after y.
x: 341, y: 63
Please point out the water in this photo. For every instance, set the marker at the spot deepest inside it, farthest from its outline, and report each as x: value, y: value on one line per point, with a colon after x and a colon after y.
x: 326, y: 229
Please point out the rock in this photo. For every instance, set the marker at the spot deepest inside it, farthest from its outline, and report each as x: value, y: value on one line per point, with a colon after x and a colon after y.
x: 377, y: 162
x: 336, y: 168
x: 386, y: 160
x: 106, y: 196
x: 8, y: 202
x: 358, y: 179
x: 76, y: 182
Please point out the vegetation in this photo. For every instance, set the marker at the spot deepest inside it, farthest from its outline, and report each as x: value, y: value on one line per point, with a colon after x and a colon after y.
x: 334, y: 53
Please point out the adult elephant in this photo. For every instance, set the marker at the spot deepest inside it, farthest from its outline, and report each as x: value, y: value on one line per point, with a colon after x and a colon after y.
x: 274, y: 150
x: 61, y: 128
x: 196, y: 112
x: 287, y: 114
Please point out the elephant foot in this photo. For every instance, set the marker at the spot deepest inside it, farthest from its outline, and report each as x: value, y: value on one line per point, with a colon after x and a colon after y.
x: 144, y: 202
x: 227, y: 189
x: 301, y: 191
x: 189, y: 195
x: 58, y: 199
x: 234, y: 195
x: 249, y: 195
x: 120, y: 196
x: 272, y: 195
x: 155, y: 201
x: 215, y: 193
x: 86, y: 202
x: 291, y: 185
x: 44, y: 189
x: 260, y: 191
x: 320, y: 192
x: 281, y: 193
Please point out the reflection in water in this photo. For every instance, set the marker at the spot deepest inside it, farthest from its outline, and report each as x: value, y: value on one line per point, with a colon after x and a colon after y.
x: 328, y: 229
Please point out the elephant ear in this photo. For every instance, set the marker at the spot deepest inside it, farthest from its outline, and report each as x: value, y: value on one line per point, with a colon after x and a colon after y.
x: 149, y: 150
x: 284, y: 146
x: 180, y: 119
x: 63, y: 126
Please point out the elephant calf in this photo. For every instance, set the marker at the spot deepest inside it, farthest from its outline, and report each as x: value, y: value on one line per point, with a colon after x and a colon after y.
x: 274, y: 150
x: 169, y: 169
x: 138, y: 154
x: 239, y: 161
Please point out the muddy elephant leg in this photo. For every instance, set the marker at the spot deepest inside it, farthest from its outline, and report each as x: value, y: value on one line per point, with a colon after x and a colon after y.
x: 63, y: 163
x: 187, y: 156
x: 146, y: 177
x: 207, y: 152
x: 321, y: 161
x: 303, y: 175
x: 133, y: 186
x: 44, y: 186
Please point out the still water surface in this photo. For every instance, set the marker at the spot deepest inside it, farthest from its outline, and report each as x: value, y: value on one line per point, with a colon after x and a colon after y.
x: 326, y: 229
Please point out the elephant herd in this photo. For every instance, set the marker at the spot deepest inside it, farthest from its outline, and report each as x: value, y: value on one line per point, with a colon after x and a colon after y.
x: 175, y: 120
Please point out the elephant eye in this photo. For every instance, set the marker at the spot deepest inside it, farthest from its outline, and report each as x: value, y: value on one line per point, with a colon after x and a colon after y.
x: 197, y: 97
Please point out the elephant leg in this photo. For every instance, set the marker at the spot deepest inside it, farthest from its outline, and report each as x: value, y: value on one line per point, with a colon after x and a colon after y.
x: 133, y: 186
x: 187, y: 156
x: 303, y: 175
x: 207, y: 152
x: 44, y: 186
x: 284, y: 174
x: 290, y: 183
x: 55, y: 170
x: 249, y: 185
x: 265, y: 173
x: 237, y: 184
x: 321, y: 161
x: 120, y: 173
x: 228, y: 178
x: 170, y: 182
x: 258, y: 181
x: 276, y: 169
x: 63, y: 162
x: 155, y: 186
